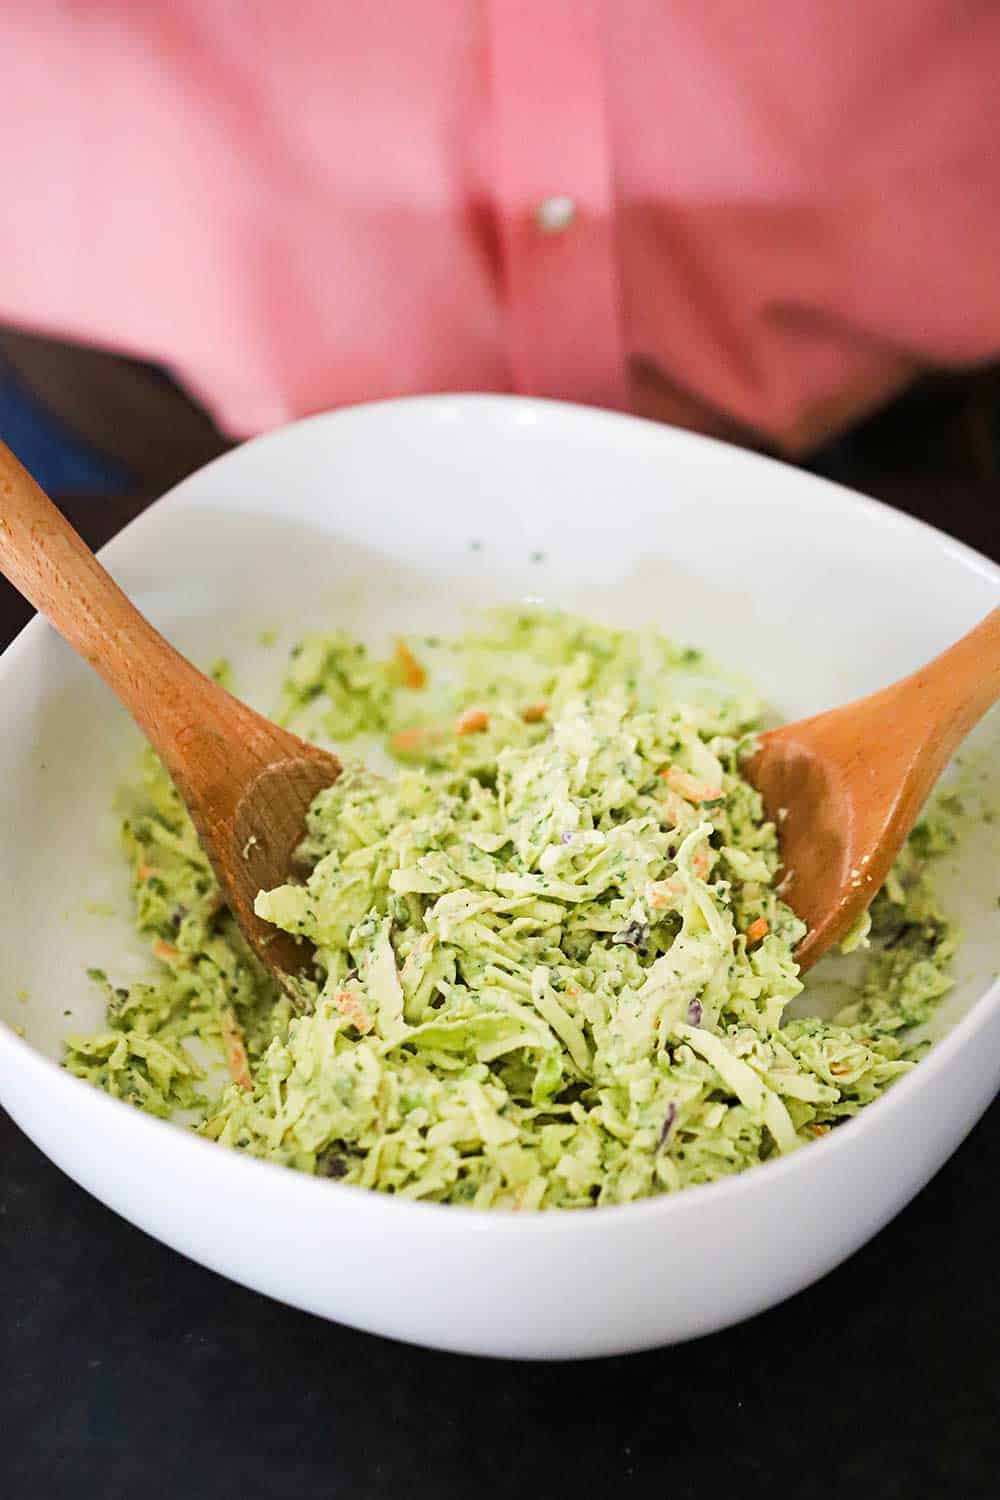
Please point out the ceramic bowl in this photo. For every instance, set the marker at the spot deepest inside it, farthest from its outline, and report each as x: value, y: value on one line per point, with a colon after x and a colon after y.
x: 398, y: 516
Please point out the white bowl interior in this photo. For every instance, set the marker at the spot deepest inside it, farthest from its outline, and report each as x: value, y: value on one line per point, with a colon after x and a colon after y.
x: 404, y: 525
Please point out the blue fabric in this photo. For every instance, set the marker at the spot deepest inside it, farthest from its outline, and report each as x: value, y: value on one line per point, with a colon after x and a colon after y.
x: 60, y: 462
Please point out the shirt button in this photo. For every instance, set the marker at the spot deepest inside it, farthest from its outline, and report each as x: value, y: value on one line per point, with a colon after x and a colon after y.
x: 554, y: 215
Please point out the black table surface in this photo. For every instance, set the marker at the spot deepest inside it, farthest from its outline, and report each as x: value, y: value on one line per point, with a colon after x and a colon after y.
x: 128, y: 1371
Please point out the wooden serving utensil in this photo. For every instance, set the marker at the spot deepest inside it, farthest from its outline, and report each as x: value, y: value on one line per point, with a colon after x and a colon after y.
x: 846, y: 787
x: 246, y: 783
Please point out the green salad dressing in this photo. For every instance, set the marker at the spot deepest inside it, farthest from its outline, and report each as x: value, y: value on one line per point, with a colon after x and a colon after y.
x: 552, y: 963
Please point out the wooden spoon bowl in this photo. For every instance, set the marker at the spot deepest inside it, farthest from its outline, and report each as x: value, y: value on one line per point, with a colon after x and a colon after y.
x: 846, y: 787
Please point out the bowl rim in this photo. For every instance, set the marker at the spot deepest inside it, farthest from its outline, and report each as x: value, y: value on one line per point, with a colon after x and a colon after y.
x: 18, y: 1053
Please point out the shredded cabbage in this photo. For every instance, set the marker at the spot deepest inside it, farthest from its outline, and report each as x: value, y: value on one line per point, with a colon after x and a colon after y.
x: 552, y: 966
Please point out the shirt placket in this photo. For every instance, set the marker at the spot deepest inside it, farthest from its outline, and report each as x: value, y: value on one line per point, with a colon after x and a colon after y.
x: 555, y: 200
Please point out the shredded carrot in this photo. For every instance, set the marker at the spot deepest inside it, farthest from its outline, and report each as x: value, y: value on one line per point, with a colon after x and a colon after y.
x: 689, y: 787
x: 351, y: 1007
x: 674, y: 809
x: 758, y: 930
x: 534, y: 713
x: 166, y: 952
x: 424, y: 945
x: 412, y: 673
x: 820, y: 1129
x: 235, y: 1048
x: 413, y: 741
x: 473, y: 721
x: 701, y: 861
x: 659, y: 893
x: 143, y: 872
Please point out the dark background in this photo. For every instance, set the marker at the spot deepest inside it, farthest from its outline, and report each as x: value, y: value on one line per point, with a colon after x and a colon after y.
x: 126, y: 1371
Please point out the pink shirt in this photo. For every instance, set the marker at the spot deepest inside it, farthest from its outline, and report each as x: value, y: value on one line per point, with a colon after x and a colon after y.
x: 771, y: 213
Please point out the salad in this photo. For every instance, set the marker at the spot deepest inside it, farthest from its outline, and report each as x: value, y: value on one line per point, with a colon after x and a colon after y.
x: 552, y: 960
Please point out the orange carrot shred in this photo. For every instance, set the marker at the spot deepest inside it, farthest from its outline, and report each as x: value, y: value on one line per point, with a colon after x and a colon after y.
x: 351, y: 1007
x: 687, y: 786
x: 472, y: 721
x: 237, y: 1060
x: 413, y: 741
x: 758, y: 930
x: 534, y: 713
x: 412, y: 673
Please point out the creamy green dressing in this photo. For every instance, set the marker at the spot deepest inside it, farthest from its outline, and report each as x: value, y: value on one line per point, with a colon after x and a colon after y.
x: 552, y: 964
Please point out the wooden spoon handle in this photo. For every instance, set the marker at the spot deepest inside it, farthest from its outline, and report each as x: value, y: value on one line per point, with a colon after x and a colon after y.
x: 917, y: 724
x: 193, y: 723
x: 958, y: 687
x: 52, y: 566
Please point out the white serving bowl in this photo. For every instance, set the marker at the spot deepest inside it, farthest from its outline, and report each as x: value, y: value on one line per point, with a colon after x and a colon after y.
x: 368, y: 518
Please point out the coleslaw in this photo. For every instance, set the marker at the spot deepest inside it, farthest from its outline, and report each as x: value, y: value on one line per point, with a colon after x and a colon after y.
x: 552, y: 962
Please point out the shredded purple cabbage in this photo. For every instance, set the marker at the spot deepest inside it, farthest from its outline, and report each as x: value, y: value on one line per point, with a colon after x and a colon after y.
x: 667, y: 1127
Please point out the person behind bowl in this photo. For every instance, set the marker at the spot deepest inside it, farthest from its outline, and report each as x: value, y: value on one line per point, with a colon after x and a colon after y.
x: 759, y: 221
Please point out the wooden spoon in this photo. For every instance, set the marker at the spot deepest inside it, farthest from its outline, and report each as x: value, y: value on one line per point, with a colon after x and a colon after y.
x: 846, y: 787
x: 246, y: 783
